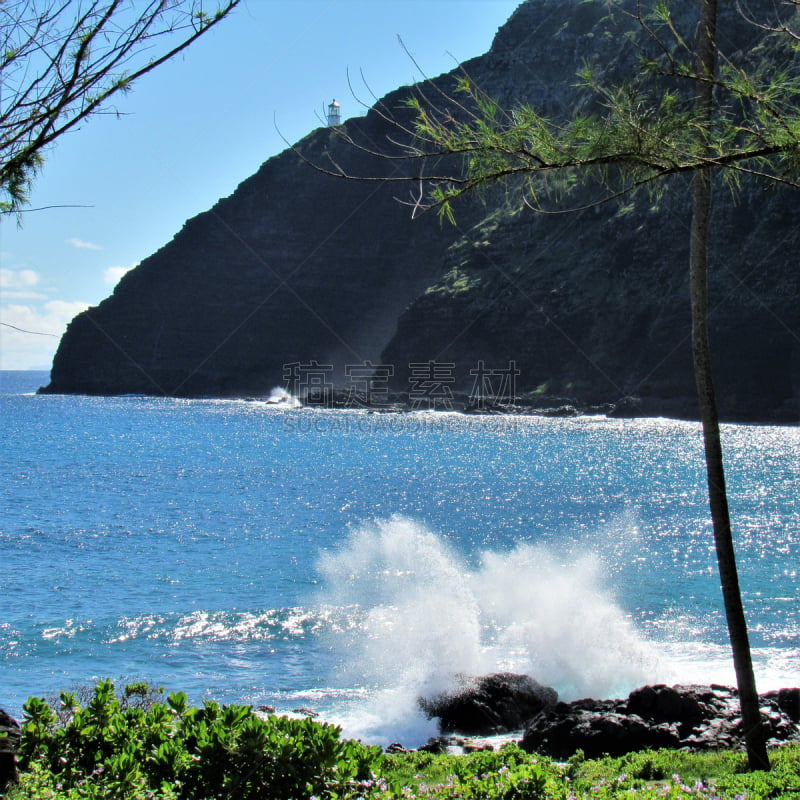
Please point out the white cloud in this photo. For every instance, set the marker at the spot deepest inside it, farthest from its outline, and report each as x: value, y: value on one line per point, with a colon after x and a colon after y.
x: 113, y: 275
x: 82, y: 245
x: 23, y: 295
x: 32, y: 341
x: 19, y: 284
x: 17, y: 279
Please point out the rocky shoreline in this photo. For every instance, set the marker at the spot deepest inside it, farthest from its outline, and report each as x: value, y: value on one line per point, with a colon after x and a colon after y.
x: 686, y: 717
x: 629, y: 407
x: 489, y: 710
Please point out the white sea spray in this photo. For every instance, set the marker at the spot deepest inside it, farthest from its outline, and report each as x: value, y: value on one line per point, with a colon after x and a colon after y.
x: 424, y: 618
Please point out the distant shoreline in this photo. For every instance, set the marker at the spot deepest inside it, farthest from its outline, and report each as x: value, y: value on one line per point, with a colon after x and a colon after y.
x: 630, y: 407
x: 679, y: 409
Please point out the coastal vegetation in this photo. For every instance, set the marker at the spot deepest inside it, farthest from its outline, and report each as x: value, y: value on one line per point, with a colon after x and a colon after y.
x: 139, y: 745
x: 132, y: 746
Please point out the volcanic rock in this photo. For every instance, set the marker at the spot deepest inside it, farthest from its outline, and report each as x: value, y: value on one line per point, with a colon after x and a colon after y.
x: 691, y: 717
x: 490, y: 704
x: 568, y: 728
x: 9, y: 739
x: 788, y: 700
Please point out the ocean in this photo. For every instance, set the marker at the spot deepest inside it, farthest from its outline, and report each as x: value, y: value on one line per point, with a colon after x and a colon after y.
x: 348, y: 562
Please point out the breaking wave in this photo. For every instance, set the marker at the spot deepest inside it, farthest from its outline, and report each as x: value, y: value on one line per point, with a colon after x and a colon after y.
x: 422, y: 616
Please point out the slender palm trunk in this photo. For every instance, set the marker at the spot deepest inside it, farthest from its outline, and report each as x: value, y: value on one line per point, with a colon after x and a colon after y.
x: 701, y: 352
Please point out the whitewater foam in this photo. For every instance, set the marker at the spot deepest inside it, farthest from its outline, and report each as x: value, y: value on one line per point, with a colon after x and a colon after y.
x: 281, y: 398
x: 422, y: 617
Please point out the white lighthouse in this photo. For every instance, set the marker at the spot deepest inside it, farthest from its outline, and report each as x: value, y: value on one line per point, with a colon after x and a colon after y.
x: 334, y: 114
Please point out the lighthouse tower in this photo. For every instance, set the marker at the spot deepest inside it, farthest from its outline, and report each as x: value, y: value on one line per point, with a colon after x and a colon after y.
x: 334, y: 114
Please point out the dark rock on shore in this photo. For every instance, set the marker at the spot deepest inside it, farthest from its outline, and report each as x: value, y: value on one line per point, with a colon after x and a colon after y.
x: 695, y: 718
x: 569, y: 729
x: 9, y: 739
x: 491, y: 704
x: 689, y: 717
x: 788, y: 701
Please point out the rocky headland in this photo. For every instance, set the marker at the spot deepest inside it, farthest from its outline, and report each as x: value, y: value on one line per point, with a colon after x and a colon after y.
x: 302, y: 280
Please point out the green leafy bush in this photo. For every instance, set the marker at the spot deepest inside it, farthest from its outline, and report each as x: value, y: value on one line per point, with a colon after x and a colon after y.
x: 124, y: 750
x: 40, y: 784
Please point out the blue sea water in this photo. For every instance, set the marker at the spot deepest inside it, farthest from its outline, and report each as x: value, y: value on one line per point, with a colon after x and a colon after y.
x: 348, y: 562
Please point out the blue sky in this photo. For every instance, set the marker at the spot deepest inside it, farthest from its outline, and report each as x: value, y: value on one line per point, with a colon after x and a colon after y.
x: 191, y: 131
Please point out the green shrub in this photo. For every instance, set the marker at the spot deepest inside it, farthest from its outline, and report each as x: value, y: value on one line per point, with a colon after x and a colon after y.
x: 40, y: 784
x: 195, y: 753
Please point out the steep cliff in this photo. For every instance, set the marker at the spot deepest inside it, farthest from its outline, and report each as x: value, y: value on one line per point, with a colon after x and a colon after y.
x: 297, y: 267
x: 292, y: 266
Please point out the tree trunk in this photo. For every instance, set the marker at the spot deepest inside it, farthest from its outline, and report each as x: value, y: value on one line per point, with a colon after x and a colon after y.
x: 755, y: 740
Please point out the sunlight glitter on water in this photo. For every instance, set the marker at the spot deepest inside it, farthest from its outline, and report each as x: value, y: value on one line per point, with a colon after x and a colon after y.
x: 179, y: 541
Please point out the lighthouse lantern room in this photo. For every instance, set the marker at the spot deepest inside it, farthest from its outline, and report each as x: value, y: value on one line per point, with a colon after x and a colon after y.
x: 334, y: 114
